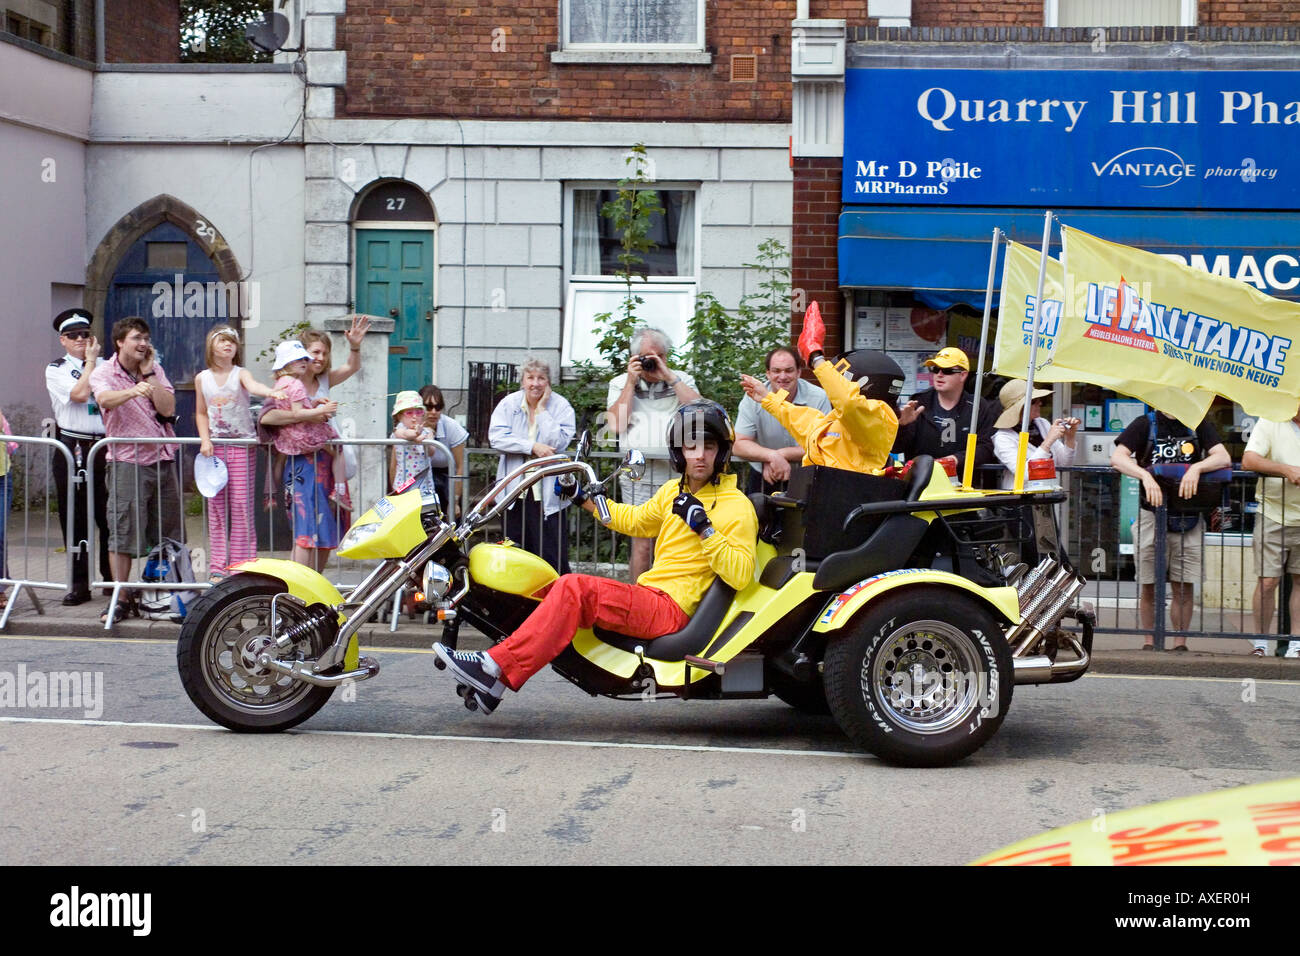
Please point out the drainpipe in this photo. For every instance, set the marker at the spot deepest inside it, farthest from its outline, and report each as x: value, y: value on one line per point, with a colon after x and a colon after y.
x: 99, y: 33
x: 801, y: 9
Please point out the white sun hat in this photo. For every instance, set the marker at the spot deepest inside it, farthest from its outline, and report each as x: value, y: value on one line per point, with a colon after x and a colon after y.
x: 210, y: 474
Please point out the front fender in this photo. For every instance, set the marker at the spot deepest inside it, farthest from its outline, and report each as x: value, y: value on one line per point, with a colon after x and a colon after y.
x: 846, y: 606
x: 307, y: 585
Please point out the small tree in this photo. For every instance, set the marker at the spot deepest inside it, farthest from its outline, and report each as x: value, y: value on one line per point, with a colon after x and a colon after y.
x: 723, y: 345
x: 632, y: 213
x: 212, y: 31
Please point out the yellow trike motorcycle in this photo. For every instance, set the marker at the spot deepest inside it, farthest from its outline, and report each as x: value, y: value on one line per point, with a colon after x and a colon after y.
x: 904, y: 606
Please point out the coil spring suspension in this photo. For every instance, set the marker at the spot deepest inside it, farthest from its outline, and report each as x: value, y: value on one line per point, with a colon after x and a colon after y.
x: 313, y: 628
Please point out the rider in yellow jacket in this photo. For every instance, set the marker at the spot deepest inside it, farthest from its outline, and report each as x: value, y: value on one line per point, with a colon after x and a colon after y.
x: 863, y: 388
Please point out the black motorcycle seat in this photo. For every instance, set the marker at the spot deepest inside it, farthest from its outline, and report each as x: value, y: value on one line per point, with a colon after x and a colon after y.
x: 692, y: 639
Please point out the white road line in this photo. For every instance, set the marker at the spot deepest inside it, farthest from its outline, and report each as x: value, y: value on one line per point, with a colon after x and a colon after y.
x: 691, y: 748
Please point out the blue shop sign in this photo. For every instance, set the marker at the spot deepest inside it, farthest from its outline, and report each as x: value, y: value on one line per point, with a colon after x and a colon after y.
x: 1059, y: 138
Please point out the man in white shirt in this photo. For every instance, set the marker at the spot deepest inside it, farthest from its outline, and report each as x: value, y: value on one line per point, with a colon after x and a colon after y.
x: 78, y: 425
x: 641, y: 405
x: 1273, y: 452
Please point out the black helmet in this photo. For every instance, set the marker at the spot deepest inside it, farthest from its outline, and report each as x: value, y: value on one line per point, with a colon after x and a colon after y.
x: 694, y: 422
x: 884, y: 377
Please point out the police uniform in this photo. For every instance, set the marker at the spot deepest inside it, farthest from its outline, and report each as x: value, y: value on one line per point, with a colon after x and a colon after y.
x: 78, y: 425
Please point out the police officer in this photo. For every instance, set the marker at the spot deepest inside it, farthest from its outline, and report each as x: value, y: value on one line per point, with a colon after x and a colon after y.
x: 78, y: 425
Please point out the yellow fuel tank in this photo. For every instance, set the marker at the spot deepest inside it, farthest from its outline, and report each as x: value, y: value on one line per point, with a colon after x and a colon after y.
x: 512, y: 570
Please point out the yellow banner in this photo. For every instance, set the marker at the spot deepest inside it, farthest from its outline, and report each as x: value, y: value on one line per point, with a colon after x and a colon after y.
x: 1256, y: 825
x: 1016, y: 319
x: 1142, y: 317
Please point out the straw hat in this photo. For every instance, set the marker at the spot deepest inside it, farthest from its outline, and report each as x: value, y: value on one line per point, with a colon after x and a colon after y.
x: 406, y: 401
x: 1012, y: 397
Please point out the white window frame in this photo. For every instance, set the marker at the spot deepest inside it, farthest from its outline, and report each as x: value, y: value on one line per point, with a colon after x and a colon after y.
x: 1187, y: 14
x: 680, y: 291
x: 690, y: 52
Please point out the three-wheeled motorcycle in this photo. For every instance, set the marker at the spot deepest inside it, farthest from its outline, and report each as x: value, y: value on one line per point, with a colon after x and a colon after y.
x: 904, y: 606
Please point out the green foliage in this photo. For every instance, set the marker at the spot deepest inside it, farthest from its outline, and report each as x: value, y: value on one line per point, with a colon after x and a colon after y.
x: 291, y: 332
x: 632, y: 213
x: 212, y: 31
x: 722, y: 345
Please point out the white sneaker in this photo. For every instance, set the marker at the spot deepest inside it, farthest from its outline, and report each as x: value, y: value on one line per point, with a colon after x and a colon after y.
x: 1293, y: 651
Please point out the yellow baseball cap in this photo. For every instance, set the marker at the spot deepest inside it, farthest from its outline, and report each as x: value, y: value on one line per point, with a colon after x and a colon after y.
x: 950, y: 358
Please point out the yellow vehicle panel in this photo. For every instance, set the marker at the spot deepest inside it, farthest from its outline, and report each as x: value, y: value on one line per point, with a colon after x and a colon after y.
x: 842, y: 610
x: 308, y: 586
x: 511, y: 570
x: 400, y: 531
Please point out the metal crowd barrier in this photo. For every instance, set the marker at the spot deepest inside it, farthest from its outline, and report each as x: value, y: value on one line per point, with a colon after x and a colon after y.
x: 1102, y: 543
x: 29, y: 545
x: 273, y: 529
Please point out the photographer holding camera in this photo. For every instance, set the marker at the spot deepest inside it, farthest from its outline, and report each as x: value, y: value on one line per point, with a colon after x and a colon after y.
x: 641, y: 403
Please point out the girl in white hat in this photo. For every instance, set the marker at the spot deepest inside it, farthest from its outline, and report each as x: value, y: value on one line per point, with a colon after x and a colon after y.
x: 305, y: 437
x: 1053, y: 440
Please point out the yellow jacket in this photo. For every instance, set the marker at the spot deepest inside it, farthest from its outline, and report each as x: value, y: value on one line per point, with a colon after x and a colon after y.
x: 685, y: 565
x: 856, y: 435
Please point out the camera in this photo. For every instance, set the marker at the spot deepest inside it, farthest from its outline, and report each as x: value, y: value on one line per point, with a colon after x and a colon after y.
x: 649, y: 363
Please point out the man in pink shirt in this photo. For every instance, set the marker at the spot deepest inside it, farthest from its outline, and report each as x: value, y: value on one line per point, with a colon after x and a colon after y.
x: 137, y: 401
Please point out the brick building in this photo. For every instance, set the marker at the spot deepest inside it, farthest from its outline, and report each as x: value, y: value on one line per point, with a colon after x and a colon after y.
x: 503, y: 126
x: 863, y: 253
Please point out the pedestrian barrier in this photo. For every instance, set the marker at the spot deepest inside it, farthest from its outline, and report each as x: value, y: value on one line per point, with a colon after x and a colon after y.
x: 30, y: 533
x: 1223, y: 598
x: 1098, y: 522
x: 173, y: 503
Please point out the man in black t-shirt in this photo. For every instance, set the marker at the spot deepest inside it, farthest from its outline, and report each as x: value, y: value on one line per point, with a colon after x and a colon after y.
x: 1157, y: 439
x: 937, y: 421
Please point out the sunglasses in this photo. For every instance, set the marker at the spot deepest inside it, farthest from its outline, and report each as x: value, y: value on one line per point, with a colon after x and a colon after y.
x: 950, y: 371
x: 433, y: 408
x: 79, y: 334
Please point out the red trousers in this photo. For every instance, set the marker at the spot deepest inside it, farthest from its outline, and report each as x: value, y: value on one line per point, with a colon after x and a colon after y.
x: 577, y: 601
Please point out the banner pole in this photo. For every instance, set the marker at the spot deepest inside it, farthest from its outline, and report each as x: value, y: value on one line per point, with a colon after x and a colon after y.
x: 968, y: 472
x: 1033, y: 353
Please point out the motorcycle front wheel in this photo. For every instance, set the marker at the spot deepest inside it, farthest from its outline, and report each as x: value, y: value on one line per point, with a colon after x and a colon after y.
x: 921, y: 678
x: 221, y: 639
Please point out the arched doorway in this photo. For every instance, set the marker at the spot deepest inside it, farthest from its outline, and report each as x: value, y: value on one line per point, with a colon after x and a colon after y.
x: 396, y: 229
x: 166, y: 263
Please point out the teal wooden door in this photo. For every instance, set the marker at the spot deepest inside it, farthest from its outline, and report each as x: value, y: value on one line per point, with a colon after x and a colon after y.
x: 395, y: 278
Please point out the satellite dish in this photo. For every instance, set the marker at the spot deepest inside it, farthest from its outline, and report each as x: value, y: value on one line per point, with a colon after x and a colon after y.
x: 270, y: 33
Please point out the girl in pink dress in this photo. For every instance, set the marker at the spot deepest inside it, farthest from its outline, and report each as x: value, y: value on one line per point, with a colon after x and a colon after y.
x: 292, y: 364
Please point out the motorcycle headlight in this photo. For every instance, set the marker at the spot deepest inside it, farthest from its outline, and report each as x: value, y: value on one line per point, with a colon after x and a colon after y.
x: 359, y: 533
x: 436, y: 583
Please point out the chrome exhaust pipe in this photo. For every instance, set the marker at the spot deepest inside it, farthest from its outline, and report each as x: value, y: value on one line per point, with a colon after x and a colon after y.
x: 1032, y: 670
x: 301, y: 671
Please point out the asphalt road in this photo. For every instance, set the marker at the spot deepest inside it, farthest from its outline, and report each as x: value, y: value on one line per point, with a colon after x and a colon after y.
x: 404, y: 774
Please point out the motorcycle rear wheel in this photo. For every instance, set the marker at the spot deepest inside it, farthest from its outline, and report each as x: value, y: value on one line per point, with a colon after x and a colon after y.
x: 217, y: 652
x: 920, y: 679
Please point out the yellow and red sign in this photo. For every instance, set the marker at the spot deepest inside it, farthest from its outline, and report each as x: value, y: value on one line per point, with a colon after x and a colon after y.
x: 1257, y: 825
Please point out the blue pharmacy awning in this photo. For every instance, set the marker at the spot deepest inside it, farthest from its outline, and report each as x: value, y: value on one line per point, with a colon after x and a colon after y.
x: 943, y: 253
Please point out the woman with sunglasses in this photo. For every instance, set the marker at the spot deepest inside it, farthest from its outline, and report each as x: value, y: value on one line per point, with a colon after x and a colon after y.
x: 448, y: 431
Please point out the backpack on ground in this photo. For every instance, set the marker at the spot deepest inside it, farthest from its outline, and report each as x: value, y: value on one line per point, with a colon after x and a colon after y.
x: 168, y: 563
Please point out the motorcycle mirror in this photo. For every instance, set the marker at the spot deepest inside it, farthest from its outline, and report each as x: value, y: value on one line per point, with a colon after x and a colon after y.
x: 584, y: 446
x: 633, y: 464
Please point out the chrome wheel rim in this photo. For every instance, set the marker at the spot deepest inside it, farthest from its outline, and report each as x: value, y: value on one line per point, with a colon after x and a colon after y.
x: 237, y: 637
x: 927, y: 676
